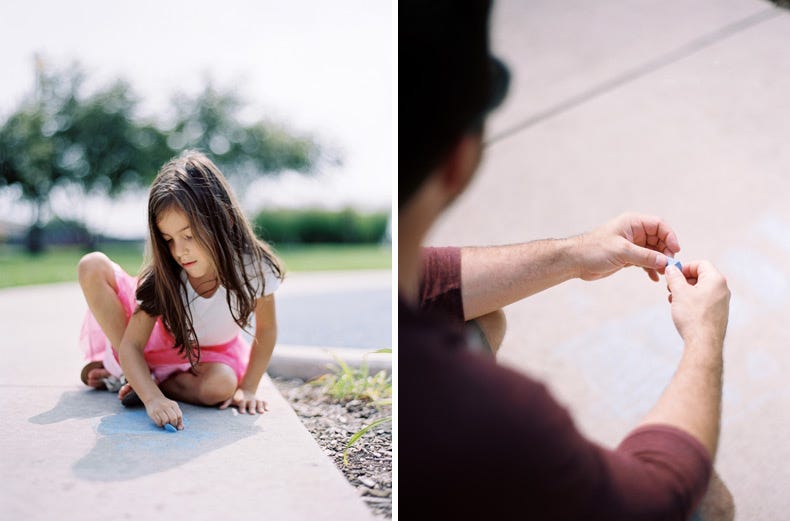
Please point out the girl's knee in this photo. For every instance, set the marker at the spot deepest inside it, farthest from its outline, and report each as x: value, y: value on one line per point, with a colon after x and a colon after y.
x: 93, y: 266
x: 217, y: 385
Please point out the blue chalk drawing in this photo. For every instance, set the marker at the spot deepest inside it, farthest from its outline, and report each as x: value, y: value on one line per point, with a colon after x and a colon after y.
x: 761, y: 364
x: 130, y: 445
x: 774, y: 230
x: 629, y: 373
x: 760, y: 276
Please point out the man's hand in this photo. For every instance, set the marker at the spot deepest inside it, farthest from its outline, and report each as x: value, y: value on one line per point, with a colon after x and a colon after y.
x: 628, y: 240
x: 692, y: 400
x: 700, y: 302
x: 246, y: 402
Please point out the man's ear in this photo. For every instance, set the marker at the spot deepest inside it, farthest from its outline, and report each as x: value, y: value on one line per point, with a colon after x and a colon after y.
x: 461, y: 163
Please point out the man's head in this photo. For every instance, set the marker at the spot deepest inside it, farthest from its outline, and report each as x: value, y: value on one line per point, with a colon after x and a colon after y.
x: 448, y: 83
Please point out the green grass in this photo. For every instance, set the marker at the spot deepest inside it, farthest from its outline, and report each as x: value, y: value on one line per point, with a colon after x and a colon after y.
x: 322, y: 257
x: 59, y: 264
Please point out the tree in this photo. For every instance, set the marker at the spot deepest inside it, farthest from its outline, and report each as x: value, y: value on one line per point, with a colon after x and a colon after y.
x: 110, y: 150
x: 60, y: 136
x: 210, y: 121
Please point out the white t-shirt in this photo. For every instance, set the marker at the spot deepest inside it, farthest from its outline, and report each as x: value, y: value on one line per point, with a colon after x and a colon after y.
x: 211, y: 317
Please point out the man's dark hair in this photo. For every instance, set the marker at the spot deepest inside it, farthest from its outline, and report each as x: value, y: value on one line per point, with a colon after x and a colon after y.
x: 448, y: 82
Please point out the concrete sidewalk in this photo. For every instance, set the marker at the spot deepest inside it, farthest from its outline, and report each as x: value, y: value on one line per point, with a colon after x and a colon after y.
x: 72, y: 453
x: 673, y: 108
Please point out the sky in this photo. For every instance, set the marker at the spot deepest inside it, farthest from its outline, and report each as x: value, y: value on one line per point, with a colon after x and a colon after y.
x: 321, y: 68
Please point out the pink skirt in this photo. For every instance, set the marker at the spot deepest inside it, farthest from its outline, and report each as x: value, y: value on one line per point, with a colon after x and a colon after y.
x: 160, y: 352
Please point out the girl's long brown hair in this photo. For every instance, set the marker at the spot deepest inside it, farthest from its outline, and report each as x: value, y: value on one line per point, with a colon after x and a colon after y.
x: 192, y: 183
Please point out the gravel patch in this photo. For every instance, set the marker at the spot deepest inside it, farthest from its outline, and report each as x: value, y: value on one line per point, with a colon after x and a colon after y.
x: 333, y: 423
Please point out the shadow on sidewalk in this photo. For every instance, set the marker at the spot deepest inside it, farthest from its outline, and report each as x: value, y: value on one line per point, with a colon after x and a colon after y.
x: 128, y: 443
x: 77, y: 405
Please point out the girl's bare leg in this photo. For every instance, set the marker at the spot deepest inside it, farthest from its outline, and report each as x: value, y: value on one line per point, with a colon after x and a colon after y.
x: 97, y: 280
x: 214, y: 383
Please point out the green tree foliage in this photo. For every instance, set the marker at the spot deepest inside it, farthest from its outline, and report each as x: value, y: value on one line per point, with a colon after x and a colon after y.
x: 109, y: 150
x: 59, y: 135
x: 210, y: 121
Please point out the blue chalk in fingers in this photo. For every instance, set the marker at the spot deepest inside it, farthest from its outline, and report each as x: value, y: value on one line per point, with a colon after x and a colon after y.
x: 170, y: 428
x: 675, y: 262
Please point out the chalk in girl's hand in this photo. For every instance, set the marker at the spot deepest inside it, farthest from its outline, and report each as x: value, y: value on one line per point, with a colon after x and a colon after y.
x: 170, y: 428
x: 675, y: 262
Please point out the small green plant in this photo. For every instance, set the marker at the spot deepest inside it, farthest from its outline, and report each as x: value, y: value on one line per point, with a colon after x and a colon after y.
x: 347, y: 383
x: 361, y: 432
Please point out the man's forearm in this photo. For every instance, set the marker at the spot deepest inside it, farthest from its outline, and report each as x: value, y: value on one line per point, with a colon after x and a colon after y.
x: 692, y: 400
x: 495, y: 276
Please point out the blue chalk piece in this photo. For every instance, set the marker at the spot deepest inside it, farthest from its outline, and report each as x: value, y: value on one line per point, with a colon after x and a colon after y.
x: 170, y: 428
x: 676, y: 262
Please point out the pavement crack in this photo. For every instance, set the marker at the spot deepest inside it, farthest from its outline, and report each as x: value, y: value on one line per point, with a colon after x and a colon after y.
x: 639, y: 71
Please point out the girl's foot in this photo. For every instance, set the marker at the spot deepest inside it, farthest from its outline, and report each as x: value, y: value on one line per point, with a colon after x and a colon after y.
x: 93, y: 374
x: 128, y: 397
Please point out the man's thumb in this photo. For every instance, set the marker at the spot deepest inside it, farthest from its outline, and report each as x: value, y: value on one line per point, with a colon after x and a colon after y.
x: 645, y: 257
x: 675, y: 277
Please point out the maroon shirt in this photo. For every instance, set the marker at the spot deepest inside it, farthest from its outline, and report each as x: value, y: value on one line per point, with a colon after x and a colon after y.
x: 480, y: 441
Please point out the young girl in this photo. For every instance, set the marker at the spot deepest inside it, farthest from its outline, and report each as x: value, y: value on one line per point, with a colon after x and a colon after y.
x: 176, y: 333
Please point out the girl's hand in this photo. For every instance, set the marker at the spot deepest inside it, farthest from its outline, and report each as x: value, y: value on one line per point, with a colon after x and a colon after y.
x: 163, y: 410
x: 246, y: 401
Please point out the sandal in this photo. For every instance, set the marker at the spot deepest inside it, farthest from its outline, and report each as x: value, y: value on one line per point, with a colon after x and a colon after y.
x: 131, y: 399
x: 87, y: 369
